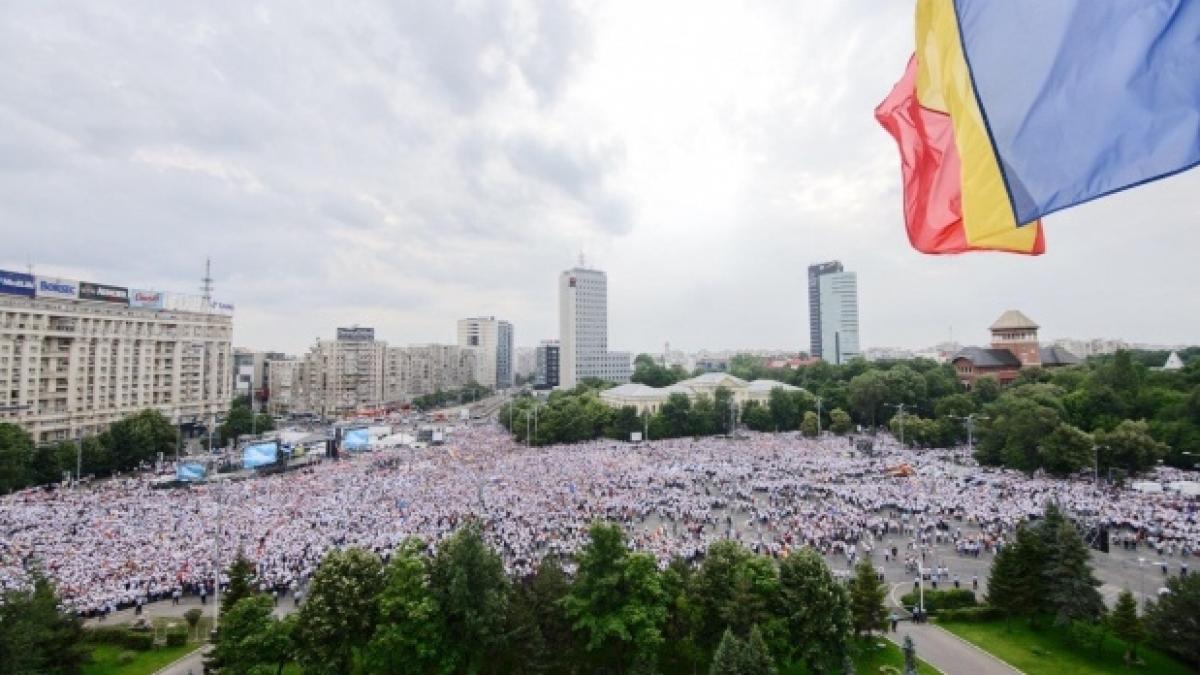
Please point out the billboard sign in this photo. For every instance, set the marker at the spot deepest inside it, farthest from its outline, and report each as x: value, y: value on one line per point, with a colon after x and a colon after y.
x: 177, y: 302
x: 222, y: 308
x: 190, y: 471
x: 145, y: 299
x: 356, y: 334
x: 635, y: 437
x: 16, y: 283
x: 62, y: 289
x: 261, y: 454
x: 356, y: 440
x: 103, y: 293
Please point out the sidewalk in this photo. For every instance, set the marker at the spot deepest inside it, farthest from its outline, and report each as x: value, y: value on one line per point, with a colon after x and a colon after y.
x: 948, y: 653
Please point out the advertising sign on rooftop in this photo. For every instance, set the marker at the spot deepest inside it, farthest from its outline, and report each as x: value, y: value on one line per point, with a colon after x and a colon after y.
x: 103, y: 293
x: 146, y: 299
x: 62, y: 289
x: 16, y: 283
x: 356, y: 334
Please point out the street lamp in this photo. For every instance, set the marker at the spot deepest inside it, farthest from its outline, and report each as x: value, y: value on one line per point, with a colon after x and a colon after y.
x: 899, y: 413
x: 970, y: 420
x: 818, y: 417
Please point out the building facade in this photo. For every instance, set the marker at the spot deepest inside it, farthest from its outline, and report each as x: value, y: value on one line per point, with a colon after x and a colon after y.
x: 833, y: 312
x: 583, y: 330
x: 493, y: 339
x: 281, y: 375
x: 1014, y: 346
x: 420, y: 370
x: 77, y: 356
x: 546, y: 371
x: 343, y: 375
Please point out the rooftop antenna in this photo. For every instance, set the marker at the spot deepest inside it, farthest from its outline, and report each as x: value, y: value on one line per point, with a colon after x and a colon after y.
x: 206, y: 282
x: 582, y: 260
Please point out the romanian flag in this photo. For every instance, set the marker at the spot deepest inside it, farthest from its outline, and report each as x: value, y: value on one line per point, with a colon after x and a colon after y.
x: 1014, y: 109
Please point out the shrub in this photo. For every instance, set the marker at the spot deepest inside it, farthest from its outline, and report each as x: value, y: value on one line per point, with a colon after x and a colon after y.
x: 979, y: 614
x: 121, y: 636
x: 142, y: 642
x: 177, y: 637
x: 940, y: 600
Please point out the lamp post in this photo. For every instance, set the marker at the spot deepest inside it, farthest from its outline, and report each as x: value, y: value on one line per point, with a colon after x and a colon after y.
x: 970, y: 422
x: 899, y: 413
x: 818, y: 417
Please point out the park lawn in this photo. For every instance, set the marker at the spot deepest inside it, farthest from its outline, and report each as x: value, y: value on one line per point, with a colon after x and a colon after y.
x: 872, y: 653
x: 1047, y: 651
x: 104, y: 660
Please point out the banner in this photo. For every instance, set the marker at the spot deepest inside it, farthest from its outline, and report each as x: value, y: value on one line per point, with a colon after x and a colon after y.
x: 356, y: 440
x: 103, y: 293
x: 146, y: 299
x: 356, y: 334
x: 62, y: 289
x: 261, y: 454
x: 177, y: 302
x: 190, y: 471
x: 16, y: 283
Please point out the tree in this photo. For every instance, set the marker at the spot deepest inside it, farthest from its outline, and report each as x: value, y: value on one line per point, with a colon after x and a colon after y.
x: 1130, y: 447
x: 727, y: 660
x: 45, y: 467
x: 251, y: 639
x: 408, y: 634
x: 1172, y: 620
x: 808, y: 427
x: 468, y: 584
x: 241, y: 582
x: 816, y: 611
x: 139, y: 438
x: 683, y: 650
x: 1013, y: 434
x: 839, y: 422
x: 1017, y: 585
x: 339, y: 615
x: 1004, y: 586
x: 757, y: 417
x: 1126, y: 624
x: 866, y: 599
x: 539, y: 632
x: 242, y: 421
x: 867, y: 392
x: 16, y: 448
x: 1073, y: 594
x: 785, y: 409
x: 616, y: 604
x: 1066, y: 450
x: 36, y: 636
x: 756, y: 658
x: 676, y: 411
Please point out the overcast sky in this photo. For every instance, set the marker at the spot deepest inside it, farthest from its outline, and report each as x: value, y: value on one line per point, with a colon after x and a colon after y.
x: 405, y: 164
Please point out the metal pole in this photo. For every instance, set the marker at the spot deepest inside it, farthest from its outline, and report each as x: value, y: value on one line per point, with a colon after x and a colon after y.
x: 535, y: 419
x: 79, y: 460
x: 818, y: 417
x: 921, y: 583
x: 217, y: 561
x: 645, y: 426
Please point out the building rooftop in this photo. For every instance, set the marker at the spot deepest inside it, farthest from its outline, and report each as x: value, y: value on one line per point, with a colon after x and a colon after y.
x: 1057, y: 356
x: 1014, y: 320
x: 988, y: 358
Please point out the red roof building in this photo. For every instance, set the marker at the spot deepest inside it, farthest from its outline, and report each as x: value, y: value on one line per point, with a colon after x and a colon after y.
x: 1014, y: 346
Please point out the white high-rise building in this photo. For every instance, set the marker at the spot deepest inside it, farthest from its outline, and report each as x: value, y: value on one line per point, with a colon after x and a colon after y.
x: 583, y: 330
x: 838, y: 311
x: 494, y: 341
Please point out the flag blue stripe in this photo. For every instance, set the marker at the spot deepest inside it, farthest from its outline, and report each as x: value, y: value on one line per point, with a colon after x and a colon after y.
x: 1083, y: 98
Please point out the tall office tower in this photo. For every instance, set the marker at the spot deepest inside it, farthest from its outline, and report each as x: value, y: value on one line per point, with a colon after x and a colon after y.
x: 494, y: 340
x: 815, y: 272
x: 833, y: 312
x: 546, y: 370
x: 345, y: 375
x: 583, y: 330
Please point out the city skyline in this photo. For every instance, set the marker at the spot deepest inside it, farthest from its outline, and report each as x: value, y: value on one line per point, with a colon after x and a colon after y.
x: 448, y: 163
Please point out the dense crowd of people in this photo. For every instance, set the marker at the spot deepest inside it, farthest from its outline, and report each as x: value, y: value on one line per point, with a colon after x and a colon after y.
x: 120, y: 543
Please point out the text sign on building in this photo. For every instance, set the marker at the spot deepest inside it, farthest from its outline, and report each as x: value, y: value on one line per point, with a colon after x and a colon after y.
x: 103, y: 293
x: 222, y: 308
x: 62, y: 289
x: 356, y: 334
x: 16, y: 283
x: 145, y: 299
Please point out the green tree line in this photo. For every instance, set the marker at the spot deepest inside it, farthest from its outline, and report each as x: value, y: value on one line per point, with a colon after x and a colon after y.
x: 456, y: 611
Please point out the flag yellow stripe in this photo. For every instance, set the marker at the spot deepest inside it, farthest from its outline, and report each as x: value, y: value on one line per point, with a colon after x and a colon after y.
x: 944, y: 84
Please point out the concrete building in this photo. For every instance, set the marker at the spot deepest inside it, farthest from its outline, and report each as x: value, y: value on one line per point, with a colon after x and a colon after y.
x: 494, y: 341
x: 548, y: 359
x: 651, y: 399
x: 525, y: 363
x: 583, y: 330
x: 419, y: 370
x: 280, y: 378
x: 343, y: 375
x: 1014, y: 346
x: 251, y: 377
x: 77, y: 356
x: 833, y: 312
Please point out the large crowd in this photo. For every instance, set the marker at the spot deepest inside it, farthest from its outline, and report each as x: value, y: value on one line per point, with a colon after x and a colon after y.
x: 121, y: 542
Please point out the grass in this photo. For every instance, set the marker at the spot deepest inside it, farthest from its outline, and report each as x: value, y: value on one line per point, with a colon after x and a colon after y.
x: 873, y: 654
x: 105, y: 660
x: 1048, y: 651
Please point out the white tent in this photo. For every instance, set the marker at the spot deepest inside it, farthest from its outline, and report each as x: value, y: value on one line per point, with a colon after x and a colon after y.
x: 1186, y: 488
x: 1147, y: 486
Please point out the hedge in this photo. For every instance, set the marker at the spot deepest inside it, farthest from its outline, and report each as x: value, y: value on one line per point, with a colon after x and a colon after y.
x: 940, y: 600
x: 980, y: 614
x: 177, y: 638
x: 121, y: 636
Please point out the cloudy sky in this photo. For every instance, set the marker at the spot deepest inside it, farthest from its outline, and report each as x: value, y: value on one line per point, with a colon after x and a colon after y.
x: 404, y: 164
